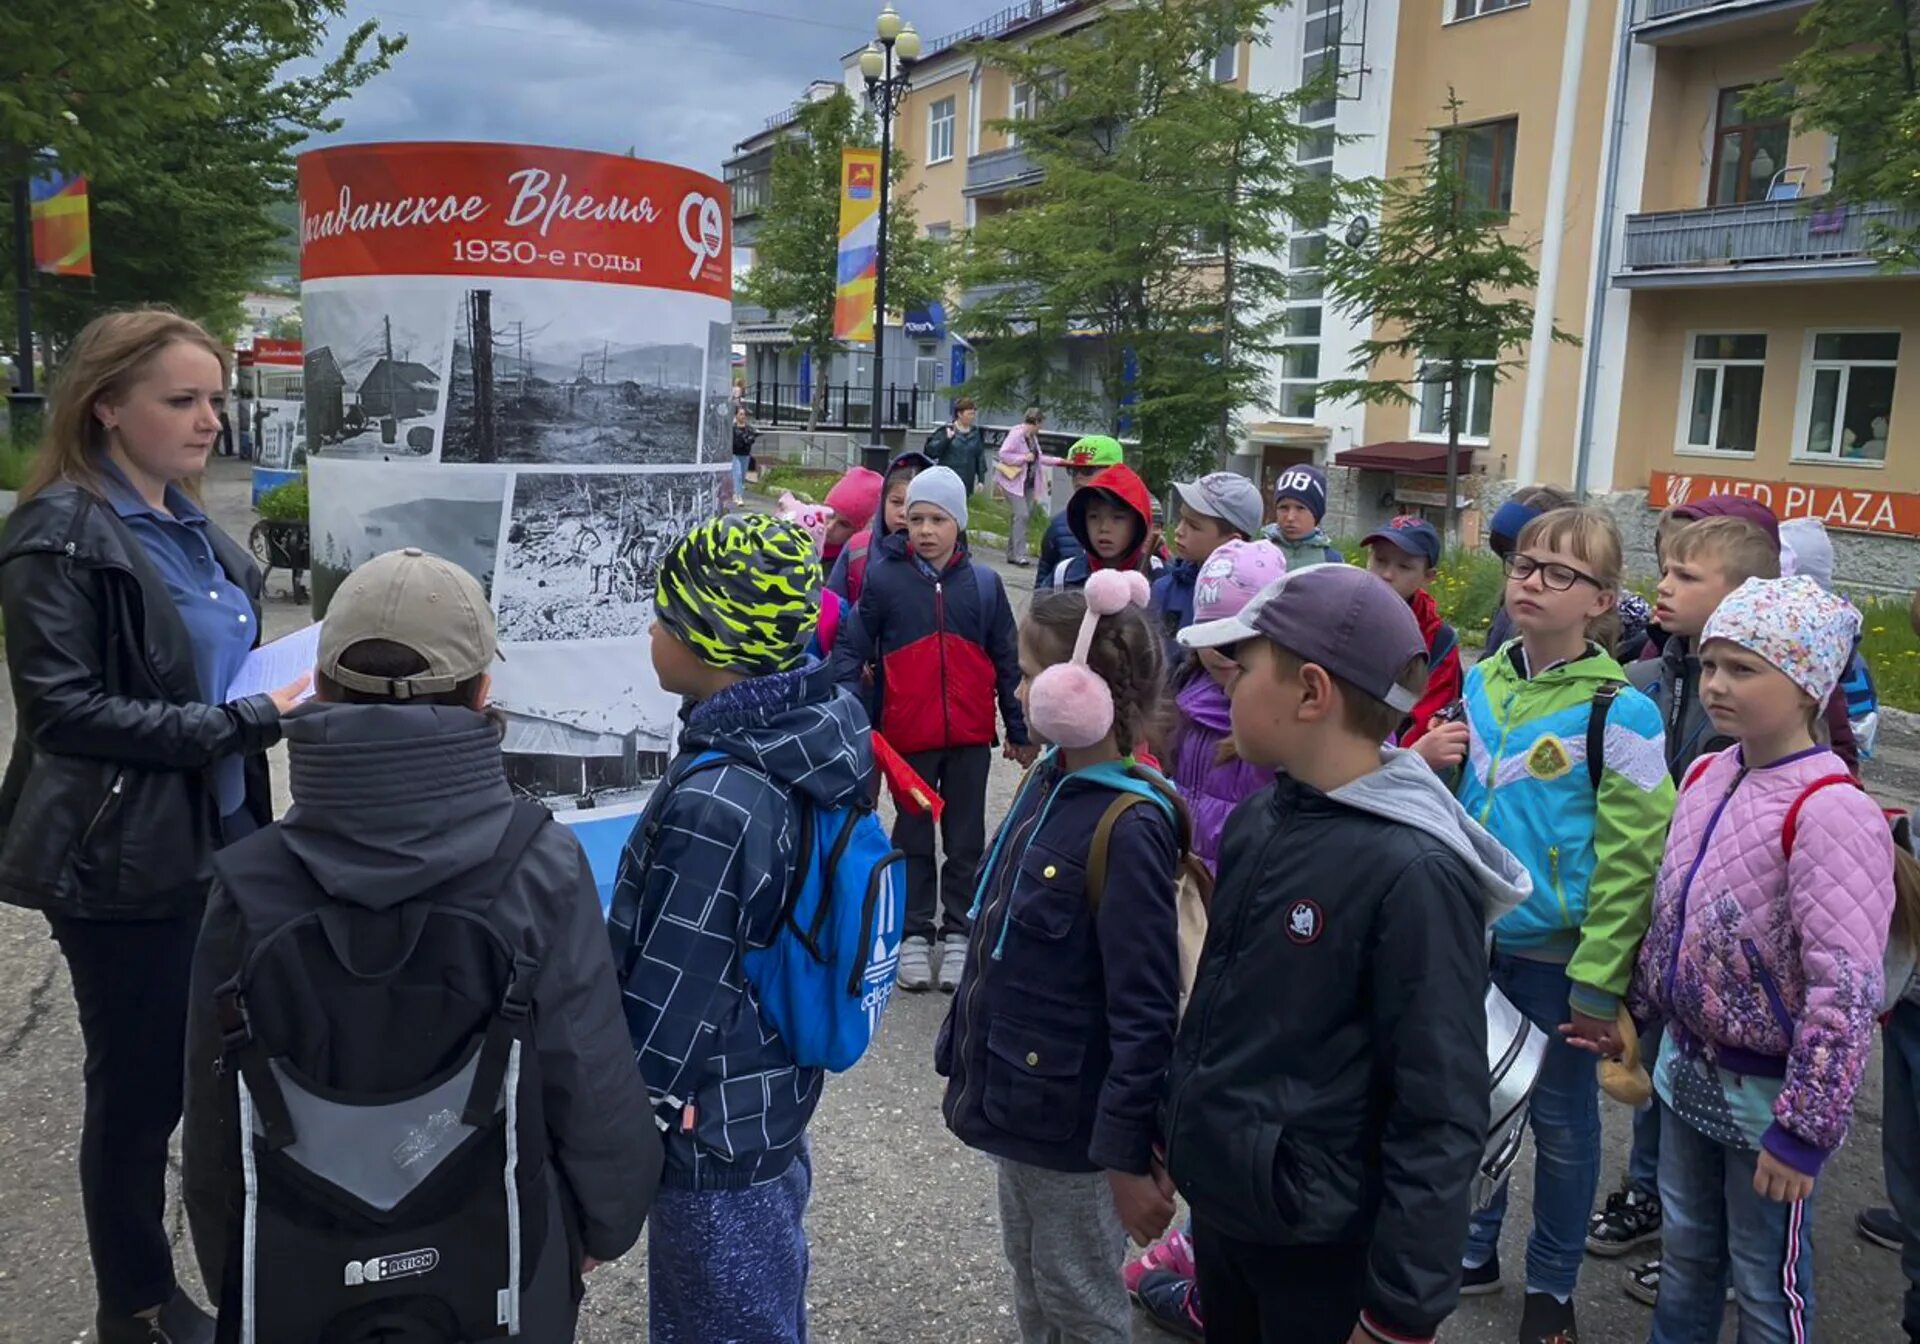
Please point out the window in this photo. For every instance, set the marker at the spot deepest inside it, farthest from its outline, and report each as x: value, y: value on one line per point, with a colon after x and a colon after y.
x: 1226, y: 62
x: 940, y: 233
x: 1722, y: 391
x: 1298, y: 384
x: 1436, y: 392
x: 1026, y: 106
x: 1486, y: 161
x: 1473, y: 9
x: 1847, y: 389
x: 940, y: 131
x: 1747, y: 152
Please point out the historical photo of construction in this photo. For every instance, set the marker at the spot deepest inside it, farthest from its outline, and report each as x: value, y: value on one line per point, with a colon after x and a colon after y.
x: 376, y: 369
x: 582, y: 733
x: 583, y: 547
x: 363, y: 509
x: 577, y: 374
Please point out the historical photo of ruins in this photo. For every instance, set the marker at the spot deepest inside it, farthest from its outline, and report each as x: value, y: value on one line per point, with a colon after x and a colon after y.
x: 577, y: 374
x: 582, y: 734
x: 583, y: 548
x: 376, y: 369
x: 363, y: 509
x: 716, y: 439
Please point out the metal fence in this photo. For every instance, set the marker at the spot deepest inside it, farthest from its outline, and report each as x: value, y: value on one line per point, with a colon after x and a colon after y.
x: 848, y: 405
x: 1764, y: 231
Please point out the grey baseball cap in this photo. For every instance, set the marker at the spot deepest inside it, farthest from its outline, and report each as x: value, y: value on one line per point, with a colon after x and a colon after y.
x: 420, y: 602
x: 1338, y: 616
x: 1225, y: 495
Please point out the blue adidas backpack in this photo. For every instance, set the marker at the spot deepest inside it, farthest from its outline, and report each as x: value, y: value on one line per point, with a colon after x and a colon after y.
x: 827, y: 976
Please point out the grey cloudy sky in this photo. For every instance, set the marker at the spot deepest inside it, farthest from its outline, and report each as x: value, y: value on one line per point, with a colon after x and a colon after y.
x: 680, y: 80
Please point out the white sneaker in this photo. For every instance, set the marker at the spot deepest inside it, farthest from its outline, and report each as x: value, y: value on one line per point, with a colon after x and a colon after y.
x: 953, y: 961
x: 916, y: 965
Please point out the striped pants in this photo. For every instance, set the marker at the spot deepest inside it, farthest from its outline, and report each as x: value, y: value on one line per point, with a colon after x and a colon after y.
x: 1715, y: 1229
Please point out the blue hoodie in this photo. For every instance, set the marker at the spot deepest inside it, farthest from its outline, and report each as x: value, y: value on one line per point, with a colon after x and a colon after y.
x: 713, y: 882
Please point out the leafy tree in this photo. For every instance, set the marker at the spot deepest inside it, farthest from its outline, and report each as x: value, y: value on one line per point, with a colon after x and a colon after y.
x: 1858, y: 79
x: 796, y: 252
x: 186, y: 122
x: 1443, y: 283
x: 1161, y: 225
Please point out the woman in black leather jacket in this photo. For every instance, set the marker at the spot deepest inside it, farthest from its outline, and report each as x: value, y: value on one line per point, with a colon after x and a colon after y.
x: 127, y: 612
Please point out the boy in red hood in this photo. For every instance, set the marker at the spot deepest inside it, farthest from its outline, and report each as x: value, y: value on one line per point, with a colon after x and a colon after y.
x: 1113, y: 519
x: 1406, y: 553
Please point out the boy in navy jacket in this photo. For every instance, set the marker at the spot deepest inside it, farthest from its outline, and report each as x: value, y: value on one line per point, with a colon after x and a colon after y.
x: 938, y: 632
x: 704, y: 877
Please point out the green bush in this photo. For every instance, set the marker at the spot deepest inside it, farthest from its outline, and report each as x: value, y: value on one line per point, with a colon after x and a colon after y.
x: 987, y: 511
x: 1466, y: 588
x: 16, y: 459
x: 1892, y: 650
x: 284, y: 503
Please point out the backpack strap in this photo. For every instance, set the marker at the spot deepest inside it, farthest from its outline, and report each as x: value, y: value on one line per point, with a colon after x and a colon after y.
x: 1694, y: 771
x: 986, y: 587
x: 1597, y: 714
x: 1060, y: 573
x: 1445, y: 640
x: 1792, y: 825
x: 1132, y: 785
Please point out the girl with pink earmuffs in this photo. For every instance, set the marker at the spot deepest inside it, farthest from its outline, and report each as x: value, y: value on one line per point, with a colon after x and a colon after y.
x: 1063, y: 1025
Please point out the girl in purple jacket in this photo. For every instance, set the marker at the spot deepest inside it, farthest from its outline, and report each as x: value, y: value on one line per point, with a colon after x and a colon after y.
x: 1764, y: 960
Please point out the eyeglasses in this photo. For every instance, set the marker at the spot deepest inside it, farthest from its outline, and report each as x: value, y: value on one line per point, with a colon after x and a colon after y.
x: 1554, y: 575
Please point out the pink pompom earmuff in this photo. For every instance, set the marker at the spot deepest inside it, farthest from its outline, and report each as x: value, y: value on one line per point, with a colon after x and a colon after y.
x: 1070, y: 704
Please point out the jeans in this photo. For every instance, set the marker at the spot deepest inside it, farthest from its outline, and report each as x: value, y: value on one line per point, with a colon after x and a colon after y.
x: 731, y: 1264
x: 1565, y: 1119
x: 739, y: 477
x: 1017, y: 533
x: 1714, y: 1224
x: 1900, y: 1146
x: 1643, y: 1160
x: 130, y: 979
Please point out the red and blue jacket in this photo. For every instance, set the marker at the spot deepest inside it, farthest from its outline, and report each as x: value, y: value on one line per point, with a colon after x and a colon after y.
x: 942, y: 650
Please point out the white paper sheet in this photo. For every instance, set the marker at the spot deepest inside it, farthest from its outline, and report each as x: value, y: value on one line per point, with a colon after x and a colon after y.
x: 280, y: 663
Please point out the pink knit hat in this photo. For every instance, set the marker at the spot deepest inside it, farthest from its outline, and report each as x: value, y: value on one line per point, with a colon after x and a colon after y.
x: 855, y: 497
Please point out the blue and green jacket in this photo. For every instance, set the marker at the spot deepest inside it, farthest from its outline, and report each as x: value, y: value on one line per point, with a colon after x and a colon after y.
x: 1592, y: 852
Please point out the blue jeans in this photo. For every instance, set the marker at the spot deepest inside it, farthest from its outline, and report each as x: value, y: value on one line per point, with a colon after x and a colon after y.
x: 1900, y: 1146
x: 1565, y: 1118
x: 739, y: 477
x: 731, y: 1264
x: 1713, y: 1225
x: 1643, y: 1160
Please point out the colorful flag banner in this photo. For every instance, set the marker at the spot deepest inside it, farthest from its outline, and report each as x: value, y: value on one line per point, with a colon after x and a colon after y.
x: 859, y: 244
x: 62, y: 235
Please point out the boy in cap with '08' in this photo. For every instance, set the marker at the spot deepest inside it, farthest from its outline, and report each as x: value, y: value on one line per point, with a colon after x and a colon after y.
x: 1336, y: 1034
x: 401, y: 799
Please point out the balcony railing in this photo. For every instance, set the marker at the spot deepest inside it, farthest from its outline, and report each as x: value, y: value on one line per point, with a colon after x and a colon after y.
x: 998, y: 25
x: 1660, y: 11
x: 750, y: 191
x: 1001, y: 170
x: 1764, y: 235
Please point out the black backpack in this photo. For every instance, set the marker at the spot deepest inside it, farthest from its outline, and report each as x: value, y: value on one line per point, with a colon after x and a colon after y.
x: 392, y: 1145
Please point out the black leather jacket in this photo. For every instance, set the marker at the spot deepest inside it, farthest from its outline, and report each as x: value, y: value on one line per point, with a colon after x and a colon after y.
x: 107, y: 810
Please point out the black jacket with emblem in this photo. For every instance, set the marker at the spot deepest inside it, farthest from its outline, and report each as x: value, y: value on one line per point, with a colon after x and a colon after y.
x: 1329, y: 1084
x: 108, y: 810
x: 1055, y: 1051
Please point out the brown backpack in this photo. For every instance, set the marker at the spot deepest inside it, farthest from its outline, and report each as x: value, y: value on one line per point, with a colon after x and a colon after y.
x: 1194, y: 894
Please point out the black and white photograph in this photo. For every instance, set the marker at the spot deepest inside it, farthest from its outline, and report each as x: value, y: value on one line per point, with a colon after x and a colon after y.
x: 363, y: 509
x: 716, y: 438
x: 577, y: 374
x: 376, y: 368
x: 583, y: 549
x: 582, y: 731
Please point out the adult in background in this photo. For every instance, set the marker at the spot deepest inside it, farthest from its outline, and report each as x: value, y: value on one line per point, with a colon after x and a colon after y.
x: 743, y: 436
x: 959, y: 445
x: 1022, y: 476
x: 127, y: 615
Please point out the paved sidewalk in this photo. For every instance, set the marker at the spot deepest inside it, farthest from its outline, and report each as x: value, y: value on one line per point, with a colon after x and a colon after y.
x: 903, y: 1228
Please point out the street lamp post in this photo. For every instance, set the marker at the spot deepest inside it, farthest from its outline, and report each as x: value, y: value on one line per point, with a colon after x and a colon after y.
x: 886, y: 90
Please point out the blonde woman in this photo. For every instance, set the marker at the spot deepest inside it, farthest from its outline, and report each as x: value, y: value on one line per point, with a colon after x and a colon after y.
x: 127, y: 614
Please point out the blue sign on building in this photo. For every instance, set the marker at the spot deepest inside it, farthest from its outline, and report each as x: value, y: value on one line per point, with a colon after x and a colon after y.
x: 926, y: 324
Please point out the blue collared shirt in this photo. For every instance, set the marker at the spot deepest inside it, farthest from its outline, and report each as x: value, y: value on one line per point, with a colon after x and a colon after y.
x: 215, y: 610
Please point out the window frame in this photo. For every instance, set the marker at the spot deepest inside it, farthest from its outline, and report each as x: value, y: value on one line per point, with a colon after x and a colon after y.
x: 1689, y: 367
x: 1507, y: 162
x: 952, y: 120
x: 1479, y: 9
x: 1749, y: 130
x: 1810, y: 368
x: 1442, y: 389
x: 1231, y: 53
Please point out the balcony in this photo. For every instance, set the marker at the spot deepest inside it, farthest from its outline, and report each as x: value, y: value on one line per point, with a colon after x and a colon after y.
x: 1695, y: 23
x: 1000, y: 170
x: 1766, y: 242
x: 750, y: 191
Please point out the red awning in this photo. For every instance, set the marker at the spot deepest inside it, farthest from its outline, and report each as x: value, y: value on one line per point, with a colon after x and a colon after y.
x: 1419, y: 459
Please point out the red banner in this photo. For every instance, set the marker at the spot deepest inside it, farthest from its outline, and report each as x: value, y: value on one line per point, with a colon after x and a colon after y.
x: 512, y: 210
x: 270, y: 350
x: 1839, y: 507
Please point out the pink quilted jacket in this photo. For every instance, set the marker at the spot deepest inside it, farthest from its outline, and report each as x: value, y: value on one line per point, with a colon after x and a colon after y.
x: 1773, y: 956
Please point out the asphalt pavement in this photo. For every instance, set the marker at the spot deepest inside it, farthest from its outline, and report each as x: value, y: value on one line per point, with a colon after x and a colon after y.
x: 903, y: 1229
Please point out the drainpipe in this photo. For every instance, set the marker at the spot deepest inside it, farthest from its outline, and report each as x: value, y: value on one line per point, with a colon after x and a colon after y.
x: 1603, y: 266
x: 1540, y: 353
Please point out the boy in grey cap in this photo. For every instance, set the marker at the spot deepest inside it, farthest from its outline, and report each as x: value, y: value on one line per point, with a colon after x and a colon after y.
x: 400, y: 800
x: 1336, y: 1035
x: 1216, y: 509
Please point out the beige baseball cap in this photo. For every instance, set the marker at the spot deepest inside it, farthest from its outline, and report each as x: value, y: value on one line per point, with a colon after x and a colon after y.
x: 420, y: 602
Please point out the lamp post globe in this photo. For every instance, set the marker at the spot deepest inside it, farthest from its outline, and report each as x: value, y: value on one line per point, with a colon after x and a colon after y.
x: 873, y: 63
x: 908, y: 44
x: 888, y: 25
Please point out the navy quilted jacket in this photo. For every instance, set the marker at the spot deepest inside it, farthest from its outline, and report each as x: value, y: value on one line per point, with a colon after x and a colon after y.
x: 710, y: 883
